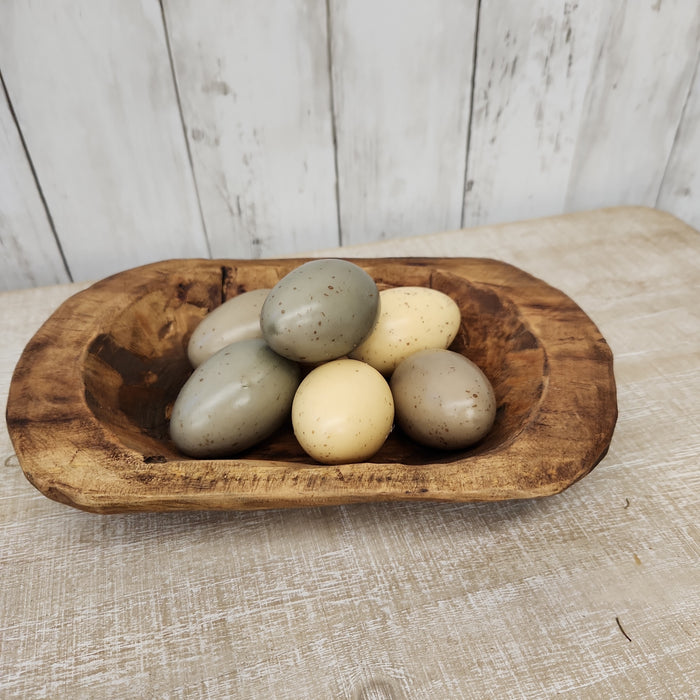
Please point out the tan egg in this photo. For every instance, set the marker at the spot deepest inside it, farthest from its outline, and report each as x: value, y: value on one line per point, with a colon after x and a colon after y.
x: 343, y: 411
x: 236, y: 319
x: 410, y: 319
x: 443, y: 399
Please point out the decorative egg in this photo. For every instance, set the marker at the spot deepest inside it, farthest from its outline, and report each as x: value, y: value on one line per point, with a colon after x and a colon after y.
x: 443, y: 399
x: 236, y: 319
x: 343, y: 411
x: 320, y: 311
x: 233, y: 400
x: 410, y: 319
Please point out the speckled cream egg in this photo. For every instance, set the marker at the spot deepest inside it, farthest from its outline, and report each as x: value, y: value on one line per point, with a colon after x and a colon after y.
x: 443, y: 399
x: 343, y: 411
x: 236, y: 319
x: 320, y: 311
x: 410, y: 319
x: 233, y: 400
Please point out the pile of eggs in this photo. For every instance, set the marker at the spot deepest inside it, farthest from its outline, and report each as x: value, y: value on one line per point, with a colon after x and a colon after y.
x: 343, y: 359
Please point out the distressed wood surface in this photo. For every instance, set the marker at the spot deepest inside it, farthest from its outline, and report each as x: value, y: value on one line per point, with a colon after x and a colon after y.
x: 94, y: 96
x: 255, y: 92
x: 634, y: 103
x: 89, y: 403
x: 680, y: 188
x: 533, y: 66
x: 576, y: 104
x: 29, y: 253
x: 592, y: 593
x: 401, y: 87
x: 312, y: 123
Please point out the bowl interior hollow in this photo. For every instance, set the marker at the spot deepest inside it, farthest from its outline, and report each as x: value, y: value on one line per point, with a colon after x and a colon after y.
x: 134, y: 368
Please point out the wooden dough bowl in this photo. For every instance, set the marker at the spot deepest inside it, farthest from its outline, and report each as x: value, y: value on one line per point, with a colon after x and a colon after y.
x: 90, y: 397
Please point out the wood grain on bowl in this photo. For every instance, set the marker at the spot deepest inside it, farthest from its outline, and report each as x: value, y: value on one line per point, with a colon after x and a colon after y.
x: 90, y: 398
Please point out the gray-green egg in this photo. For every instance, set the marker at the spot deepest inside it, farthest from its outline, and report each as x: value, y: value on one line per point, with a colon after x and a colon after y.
x: 233, y: 400
x: 442, y: 399
x: 236, y: 319
x: 320, y: 311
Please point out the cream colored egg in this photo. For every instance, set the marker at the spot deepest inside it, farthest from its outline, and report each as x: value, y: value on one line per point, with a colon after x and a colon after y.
x: 410, y: 319
x: 236, y: 319
x: 343, y: 411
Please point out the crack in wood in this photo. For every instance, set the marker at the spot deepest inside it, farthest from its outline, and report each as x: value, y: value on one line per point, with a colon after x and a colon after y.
x: 619, y: 624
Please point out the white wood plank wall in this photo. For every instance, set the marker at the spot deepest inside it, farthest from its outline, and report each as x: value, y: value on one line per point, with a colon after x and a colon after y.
x: 140, y: 130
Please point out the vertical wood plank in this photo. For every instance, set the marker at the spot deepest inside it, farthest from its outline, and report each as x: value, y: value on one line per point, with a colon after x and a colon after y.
x: 639, y: 85
x: 532, y: 69
x: 680, y: 188
x: 92, y: 87
x: 255, y: 90
x: 576, y: 104
x: 402, y: 86
x: 29, y: 254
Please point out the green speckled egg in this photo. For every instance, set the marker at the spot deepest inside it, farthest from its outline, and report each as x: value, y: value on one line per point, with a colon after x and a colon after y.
x: 233, y: 400
x: 320, y: 311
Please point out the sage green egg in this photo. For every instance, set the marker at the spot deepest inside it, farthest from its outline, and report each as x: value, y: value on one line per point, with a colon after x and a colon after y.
x: 236, y: 319
x: 442, y: 399
x: 233, y: 400
x: 320, y: 311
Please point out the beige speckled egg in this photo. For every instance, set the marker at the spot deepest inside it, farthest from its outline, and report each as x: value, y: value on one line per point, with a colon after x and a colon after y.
x: 410, y: 319
x: 236, y: 319
x: 343, y: 411
x: 443, y: 399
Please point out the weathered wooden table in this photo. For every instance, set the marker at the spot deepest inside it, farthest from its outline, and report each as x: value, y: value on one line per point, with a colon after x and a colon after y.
x: 591, y: 593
